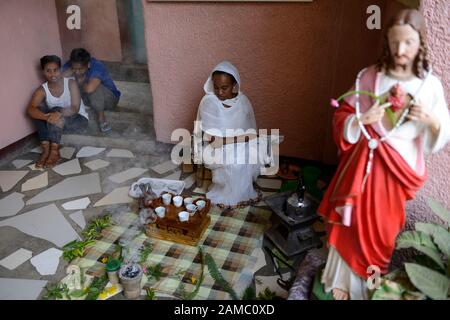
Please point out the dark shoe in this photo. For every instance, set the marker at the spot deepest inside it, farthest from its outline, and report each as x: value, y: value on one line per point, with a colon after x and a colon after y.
x: 105, y: 126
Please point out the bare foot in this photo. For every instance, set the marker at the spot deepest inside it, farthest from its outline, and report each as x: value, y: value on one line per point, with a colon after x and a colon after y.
x: 339, y: 294
x: 44, y: 155
x: 53, y: 157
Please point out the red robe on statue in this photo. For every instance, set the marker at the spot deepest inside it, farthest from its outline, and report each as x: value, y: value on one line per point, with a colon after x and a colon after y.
x: 378, y: 211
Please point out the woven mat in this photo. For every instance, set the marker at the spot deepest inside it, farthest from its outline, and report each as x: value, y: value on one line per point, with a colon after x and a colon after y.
x: 230, y: 239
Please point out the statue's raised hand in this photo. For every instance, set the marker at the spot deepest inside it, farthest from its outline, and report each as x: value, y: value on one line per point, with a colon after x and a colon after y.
x: 375, y: 113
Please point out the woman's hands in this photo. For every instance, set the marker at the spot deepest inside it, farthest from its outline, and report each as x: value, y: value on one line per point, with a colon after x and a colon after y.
x: 418, y: 112
x: 218, y: 142
x: 375, y: 113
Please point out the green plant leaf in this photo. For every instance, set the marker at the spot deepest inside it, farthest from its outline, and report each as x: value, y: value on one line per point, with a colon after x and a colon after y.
x: 77, y: 293
x: 267, y: 294
x: 427, y: 228
x: 434, y: 284
x: 422, y: 242
x: 389, y: 290
x: 391, y: 116
x: 189, y: 296
x: 150, y: 294
x: 442, y: 239
x: 440, y: 235
x: 216, y: 275
x: 439, y: 210
x: 249, y: 294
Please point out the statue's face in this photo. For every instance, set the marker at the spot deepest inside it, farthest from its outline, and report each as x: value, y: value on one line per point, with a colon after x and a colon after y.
x: 404, y: 44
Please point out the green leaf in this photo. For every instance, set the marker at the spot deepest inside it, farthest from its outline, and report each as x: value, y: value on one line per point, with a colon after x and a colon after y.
x: 78, y: 293
x: 439, y: 210
x: 442, y: 239
x: 427, y: 228
x: 150, y: 294
x: 189, y: 296
x: 389, y: 290
x: 434, y: 284
x: 267, y: 294
x: 249, y: 294
x: 216, y: 275
x: 440, y: 235
x: 391, y: 116
x: 422, y: 242
x: 426, y: 261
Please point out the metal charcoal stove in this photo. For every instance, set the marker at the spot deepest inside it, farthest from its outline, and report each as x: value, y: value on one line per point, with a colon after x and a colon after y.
x: 295, y: 211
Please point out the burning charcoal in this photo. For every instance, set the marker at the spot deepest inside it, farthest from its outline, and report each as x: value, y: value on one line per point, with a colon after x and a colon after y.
x: 131, y: 271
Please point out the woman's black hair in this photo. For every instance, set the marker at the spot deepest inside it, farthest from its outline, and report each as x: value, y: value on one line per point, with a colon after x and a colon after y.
x: 51, y: 58
x: 225, y: 73
x: 80, y: 55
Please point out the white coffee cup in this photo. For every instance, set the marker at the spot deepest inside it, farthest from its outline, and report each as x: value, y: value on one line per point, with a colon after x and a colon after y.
x: 191, y: 208
x: 183, y: 216
x: 201, y: 204
x: 160, y: 212
x: 188, y: 201
x: 167, y: 197
x: 178, y: 201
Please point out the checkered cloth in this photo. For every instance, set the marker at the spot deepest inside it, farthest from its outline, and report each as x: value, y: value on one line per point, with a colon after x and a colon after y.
x: 230, y: 239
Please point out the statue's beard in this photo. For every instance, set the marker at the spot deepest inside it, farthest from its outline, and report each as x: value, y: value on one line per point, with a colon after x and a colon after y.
x: 403, y: 67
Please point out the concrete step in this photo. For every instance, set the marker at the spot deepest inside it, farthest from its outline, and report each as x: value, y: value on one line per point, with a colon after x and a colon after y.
x: 124, y: 123
x: 132, y: 131
x: 142, y: 147
x: 136, y: 97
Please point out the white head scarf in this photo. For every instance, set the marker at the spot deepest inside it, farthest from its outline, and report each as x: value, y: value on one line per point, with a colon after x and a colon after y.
x: 224, y: 66
x: 213, y: 113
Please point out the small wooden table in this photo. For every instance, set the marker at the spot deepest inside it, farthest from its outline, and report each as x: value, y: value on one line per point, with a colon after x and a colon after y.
x: 170, y: 228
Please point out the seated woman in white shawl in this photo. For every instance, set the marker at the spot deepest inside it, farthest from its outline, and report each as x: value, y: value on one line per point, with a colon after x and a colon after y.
x: 223, y: 109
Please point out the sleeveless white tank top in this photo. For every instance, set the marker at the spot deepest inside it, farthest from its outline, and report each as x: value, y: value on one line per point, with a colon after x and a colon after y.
x: 62, y: 101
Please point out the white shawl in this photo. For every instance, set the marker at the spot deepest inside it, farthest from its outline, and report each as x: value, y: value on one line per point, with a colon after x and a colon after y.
x: 215, y: 117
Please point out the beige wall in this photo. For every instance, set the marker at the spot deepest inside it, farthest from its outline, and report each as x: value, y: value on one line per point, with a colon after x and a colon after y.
x: 293, y: 57
x: 99, y: 32
x: 28, y: 30
x: 437, y: 187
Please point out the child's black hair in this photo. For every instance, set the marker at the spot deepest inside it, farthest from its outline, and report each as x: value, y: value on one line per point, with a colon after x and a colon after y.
x: 80, y: 55
x: 217, y: 72
x: 51, y: 58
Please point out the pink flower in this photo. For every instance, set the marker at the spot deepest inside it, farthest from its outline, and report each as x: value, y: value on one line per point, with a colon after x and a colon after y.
x: 334, y: 103
x: 397, y: 98
x: 144, y: 270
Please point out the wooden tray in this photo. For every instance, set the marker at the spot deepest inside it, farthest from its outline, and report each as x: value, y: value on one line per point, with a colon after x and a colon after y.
x: 172, y: 229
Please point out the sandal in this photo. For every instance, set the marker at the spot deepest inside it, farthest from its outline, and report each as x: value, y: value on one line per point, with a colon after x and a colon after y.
x: 54, y: 156
x: 45, y: 145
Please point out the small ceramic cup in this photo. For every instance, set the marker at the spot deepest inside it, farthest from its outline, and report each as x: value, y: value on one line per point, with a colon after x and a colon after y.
x: 166, y: 197
x: 178, y: 201
x: 160, y: 212
x: 191, y: 208
x: 188, y: 201
x: 201, y: 204
x: 183, y: 216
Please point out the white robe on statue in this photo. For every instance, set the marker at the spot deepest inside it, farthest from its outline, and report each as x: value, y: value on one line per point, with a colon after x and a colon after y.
x: 232, y: 178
